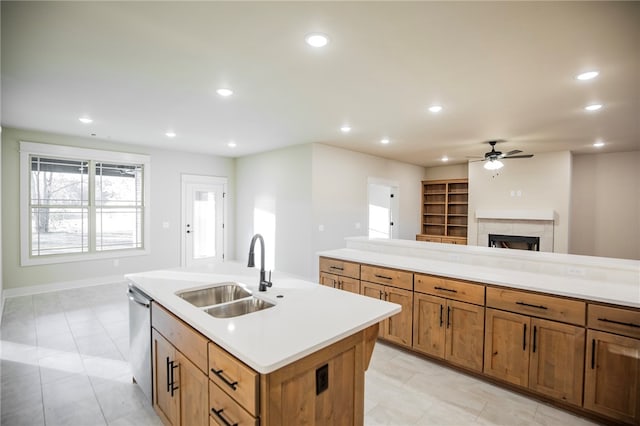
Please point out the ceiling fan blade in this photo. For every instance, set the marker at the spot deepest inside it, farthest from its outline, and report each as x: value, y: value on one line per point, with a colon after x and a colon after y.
x: 519, y: 156
x: 515, y: 151
x: 475, y: 161
x: 474, y: 157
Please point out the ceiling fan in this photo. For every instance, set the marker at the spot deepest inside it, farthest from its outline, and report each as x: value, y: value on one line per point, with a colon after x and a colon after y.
x: 493, y: 157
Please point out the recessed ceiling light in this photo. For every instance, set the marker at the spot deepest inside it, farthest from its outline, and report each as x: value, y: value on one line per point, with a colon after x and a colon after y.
x: 445, y: 158
x: 170, y: 134
x: 598, y: 144
x: 384, y: 141
x: 345, y: 129
x: 587, y: 75
x: 593, y: 107
x: 435, y: 108
x: 317, y: 39
x: 231, y: 144
x: 86, y: 120
x: 224, y: 92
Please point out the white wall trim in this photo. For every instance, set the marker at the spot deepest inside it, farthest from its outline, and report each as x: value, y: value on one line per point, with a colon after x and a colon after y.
x: 62, y: 285
x: 541, y: 214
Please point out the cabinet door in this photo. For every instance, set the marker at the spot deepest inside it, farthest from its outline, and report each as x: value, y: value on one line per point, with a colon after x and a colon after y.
x: 464, y: 334
x: 349, y: 284
x: 165, y: 402
x: 329, y: 280
x: 377, y: 292
x: 194, y: 398
x: 428, y: 324
x: 506, y: 346
x: 557, y: 360
x: 399, y: 328
x: 612, y: 378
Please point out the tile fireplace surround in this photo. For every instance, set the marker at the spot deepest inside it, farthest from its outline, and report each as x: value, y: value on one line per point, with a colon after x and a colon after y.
x: 528, y: 223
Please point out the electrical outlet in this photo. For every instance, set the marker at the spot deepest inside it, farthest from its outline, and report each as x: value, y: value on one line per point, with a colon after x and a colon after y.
x: 322, y: 379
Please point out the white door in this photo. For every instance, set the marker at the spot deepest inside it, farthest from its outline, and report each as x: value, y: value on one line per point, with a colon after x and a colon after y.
x: 383, y: 204
x: 203, y: 214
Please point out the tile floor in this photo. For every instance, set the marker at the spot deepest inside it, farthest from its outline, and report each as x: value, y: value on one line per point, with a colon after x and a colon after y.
x: 64, y: 362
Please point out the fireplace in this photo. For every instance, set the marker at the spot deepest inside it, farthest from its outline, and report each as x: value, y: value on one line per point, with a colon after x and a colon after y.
x: 517, y: 242
x: 513, y: 223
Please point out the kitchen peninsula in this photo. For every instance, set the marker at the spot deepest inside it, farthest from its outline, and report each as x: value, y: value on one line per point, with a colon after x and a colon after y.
x: 301, y: 361
x: 558, y: 327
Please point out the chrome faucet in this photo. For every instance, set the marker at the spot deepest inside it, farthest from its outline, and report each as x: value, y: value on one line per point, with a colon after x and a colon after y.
x: 264, y: 283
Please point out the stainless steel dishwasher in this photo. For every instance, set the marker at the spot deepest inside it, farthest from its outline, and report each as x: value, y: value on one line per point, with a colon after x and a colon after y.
x: 140, y: 338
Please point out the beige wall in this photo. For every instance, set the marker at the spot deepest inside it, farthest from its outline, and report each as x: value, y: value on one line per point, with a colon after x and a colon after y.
x: 605, y: 205
x: 454, y: 171
x: 544, y: 182
x: 166, y: 170
x: 276, y: 186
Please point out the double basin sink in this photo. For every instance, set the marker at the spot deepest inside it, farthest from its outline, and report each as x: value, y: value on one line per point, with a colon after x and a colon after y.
x: 224, y: 300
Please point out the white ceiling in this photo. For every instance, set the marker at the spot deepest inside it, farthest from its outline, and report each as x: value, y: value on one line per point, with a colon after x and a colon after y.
x: 500, y: 70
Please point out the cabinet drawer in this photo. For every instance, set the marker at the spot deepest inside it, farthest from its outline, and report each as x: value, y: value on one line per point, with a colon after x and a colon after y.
x: 451, y: 289
x: 188, y: 341
x: 392, y: 277
x: 340, y: 267
x: 537, y: 305
x: 235, y: 378
x: 222, y: 408
x: 428, y: 238
x: 451, y: 240
x: 616, y: 320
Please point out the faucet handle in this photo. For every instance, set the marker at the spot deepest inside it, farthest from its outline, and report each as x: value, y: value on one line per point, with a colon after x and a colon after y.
x: 269, y: 283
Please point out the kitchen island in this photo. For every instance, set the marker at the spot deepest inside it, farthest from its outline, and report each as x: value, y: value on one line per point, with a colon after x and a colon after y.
x: 559, y: 327
x: 301, y: 361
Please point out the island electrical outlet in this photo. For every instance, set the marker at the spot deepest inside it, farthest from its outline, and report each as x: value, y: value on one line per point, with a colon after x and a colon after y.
x: 322, y: 379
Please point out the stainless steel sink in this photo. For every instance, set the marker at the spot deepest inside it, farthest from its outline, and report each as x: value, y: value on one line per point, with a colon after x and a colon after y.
x: 220, y: 293
x: 241, y: 307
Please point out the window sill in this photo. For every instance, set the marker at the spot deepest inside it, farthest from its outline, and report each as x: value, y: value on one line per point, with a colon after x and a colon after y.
x: 67, y: 258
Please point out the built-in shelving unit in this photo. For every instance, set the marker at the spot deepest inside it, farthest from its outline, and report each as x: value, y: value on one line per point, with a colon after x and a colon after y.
x: 444, y: 211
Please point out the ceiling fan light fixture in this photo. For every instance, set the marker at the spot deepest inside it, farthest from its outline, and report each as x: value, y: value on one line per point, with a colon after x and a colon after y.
x: 493, y: 165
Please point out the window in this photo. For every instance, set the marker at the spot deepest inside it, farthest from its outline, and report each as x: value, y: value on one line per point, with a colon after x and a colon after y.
x: 80, y: 204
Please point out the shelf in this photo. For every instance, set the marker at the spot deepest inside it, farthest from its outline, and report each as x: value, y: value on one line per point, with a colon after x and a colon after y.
x: 445, y: 208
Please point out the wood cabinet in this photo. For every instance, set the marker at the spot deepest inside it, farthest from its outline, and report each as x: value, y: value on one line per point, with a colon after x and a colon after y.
x: 545, y: 356
x: 393, y: 286
x: 444, y: 211
x: 447, y: 328
x: 340, y: 274
x: 323, y: 388
x: 180, y: 388
x: 612, y: 376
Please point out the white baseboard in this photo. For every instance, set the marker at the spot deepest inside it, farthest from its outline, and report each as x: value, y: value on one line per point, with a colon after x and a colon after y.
x: 63, y: 285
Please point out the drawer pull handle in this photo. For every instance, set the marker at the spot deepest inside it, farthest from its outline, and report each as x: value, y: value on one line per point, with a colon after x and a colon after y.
x: 446, y: 289
x: 524, y: 337
x: 336, y: 267
x: 531, y: 306
x: 382, y: 276
x: 448, y: 315
x: 441, y: 308
x: 593, y: 354
x: 232, y: 385
x: 628, y: 324
x: 218, y: 414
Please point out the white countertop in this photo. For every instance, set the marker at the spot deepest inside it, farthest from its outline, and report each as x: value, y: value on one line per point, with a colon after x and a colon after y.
x: 307, y: 318
x: 619, y: 293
